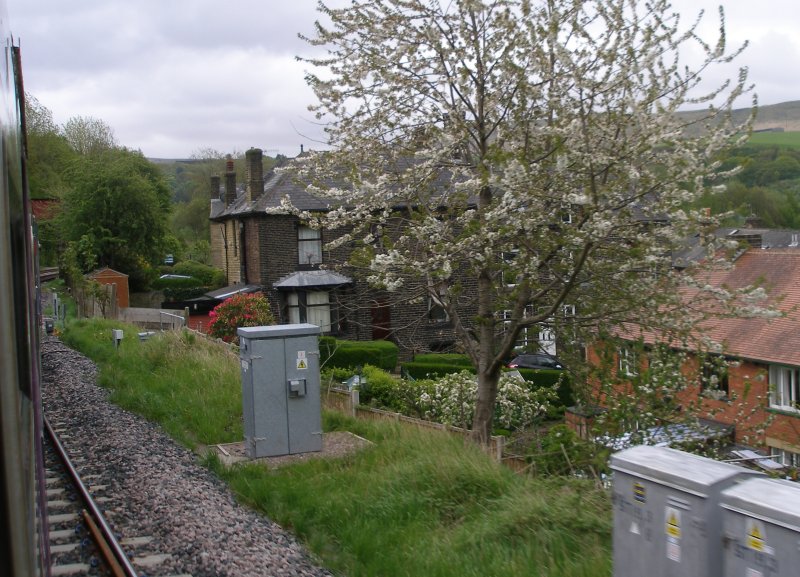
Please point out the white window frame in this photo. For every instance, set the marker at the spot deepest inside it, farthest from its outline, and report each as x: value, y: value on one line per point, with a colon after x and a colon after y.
x: 787, y: 458
x: 784, y: 388
x: 627, y: 362
x: 309, y: 245
x: 313, y: 307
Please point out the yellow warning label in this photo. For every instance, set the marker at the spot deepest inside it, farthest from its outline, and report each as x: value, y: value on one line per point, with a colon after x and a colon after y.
x: 673, y: 526
x: 755, y: 536
x: 301, y: 364
x: 639, y: 493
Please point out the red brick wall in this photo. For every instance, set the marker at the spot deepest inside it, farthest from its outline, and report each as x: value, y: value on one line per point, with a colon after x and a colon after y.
x: 746, y: 407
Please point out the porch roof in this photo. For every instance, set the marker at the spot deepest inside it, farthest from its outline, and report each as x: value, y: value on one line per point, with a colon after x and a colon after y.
x: 312, y: 278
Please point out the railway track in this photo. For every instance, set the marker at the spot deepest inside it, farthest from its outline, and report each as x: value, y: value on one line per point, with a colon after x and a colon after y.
x: 82, y: 541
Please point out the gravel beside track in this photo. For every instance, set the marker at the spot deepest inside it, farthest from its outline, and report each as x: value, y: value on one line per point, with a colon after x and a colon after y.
x: 160, y: 489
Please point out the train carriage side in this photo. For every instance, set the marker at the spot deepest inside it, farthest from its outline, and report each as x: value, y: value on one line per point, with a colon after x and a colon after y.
x: 23, y: 546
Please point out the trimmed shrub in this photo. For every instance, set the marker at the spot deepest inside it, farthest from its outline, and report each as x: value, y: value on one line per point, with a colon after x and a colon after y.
x: 444, y: 359
x: 430, y: 370
x: 436, y: 365
x: 352, y: 354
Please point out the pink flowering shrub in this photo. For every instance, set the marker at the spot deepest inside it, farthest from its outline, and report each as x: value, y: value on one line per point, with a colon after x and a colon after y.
x: 241, y: 310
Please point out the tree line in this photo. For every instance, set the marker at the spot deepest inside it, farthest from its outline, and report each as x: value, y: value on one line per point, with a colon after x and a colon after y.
x: 767, y: 186
x: 115, y: 207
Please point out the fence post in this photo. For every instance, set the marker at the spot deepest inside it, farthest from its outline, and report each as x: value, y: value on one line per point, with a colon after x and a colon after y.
x: 354, y: 401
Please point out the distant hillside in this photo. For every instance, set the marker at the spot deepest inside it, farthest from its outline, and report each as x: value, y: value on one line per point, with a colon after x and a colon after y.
x: 785, y: 115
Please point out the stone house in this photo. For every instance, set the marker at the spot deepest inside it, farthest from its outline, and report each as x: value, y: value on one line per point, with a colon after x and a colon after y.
x: 289, y: 261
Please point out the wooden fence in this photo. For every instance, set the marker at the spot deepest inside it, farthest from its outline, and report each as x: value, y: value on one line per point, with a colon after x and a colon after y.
x: 347, y: 401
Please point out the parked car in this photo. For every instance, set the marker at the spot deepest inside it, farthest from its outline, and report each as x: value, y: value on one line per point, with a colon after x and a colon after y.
x: 535, y: 361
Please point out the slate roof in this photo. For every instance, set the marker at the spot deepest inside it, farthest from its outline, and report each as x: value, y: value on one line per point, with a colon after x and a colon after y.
x: 277, y: 185
x: 312, y: 278
x: 229, y: 291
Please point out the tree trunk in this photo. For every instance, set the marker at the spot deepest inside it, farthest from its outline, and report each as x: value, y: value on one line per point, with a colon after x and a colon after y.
x: 488, y: 375
x: 484, y: 407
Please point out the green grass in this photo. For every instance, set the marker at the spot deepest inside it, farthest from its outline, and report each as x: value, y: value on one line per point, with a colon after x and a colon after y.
x: 417, y: 503
x: 190, y: 386
x: 776, y: 138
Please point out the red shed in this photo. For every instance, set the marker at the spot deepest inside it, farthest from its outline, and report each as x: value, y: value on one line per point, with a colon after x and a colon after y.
x: 110, y: 276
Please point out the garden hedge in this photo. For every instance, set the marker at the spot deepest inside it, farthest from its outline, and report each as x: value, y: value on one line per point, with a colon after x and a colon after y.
x: 351, y: 354
x: 431, y: 370
x: 546, y: 378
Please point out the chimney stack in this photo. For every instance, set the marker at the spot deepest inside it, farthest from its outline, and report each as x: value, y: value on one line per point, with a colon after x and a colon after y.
x: 215, y: 192
x: 255, y: 173
x: 230, y: 183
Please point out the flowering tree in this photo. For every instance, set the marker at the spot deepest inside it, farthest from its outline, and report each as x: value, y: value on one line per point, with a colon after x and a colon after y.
x: 451, y: 400
x: 525, y: 156
x: 241, y: 310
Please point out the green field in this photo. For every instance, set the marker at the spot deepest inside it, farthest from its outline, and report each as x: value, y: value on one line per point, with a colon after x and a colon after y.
x: 776, y: 138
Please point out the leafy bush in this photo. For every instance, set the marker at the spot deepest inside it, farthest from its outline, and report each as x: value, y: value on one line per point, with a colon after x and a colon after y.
x: 207, y: 275
x: 184, y: 294
x: 167, y: 283
x: 180, y: 289
x: 383, y: 391
x: 340, y: 353
x: 562, y: 452
x: 241, y: 310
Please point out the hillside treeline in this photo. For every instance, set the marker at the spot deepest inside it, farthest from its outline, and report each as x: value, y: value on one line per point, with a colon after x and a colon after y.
x: 767, y: 186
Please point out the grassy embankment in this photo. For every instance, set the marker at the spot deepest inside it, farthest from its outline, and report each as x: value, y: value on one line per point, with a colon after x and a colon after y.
x: 416, y: 503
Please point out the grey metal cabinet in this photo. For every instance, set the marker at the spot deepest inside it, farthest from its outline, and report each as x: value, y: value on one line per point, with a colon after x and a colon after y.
x: 281, y: 389
x: 667, y: 520
x: 761, y: 529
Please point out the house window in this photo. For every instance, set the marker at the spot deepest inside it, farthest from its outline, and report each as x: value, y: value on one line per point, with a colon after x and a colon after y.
x: 627, y: 362
x: 714, y: 376
x: 436, y: 311
x: 547, y: 339
x: 784, y: 385
x: 529, y: 335
x: 787, y: 458
x: 509, y: 275
x: 312, y: 307
x: 309, y: 245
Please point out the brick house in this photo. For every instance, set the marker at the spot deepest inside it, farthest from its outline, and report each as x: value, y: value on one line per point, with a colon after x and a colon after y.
x: 758, y: 392
x: 289, y: 262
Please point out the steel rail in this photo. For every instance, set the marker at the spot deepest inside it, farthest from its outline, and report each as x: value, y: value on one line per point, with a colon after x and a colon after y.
x: 92, y: 507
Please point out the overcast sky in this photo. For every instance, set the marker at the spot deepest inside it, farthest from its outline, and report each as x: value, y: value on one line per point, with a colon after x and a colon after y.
x: 172, y: 77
